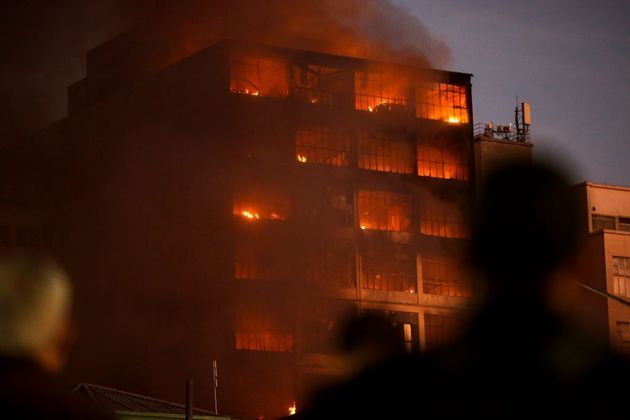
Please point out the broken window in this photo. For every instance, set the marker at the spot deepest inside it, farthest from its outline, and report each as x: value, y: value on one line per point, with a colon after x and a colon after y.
x: 259, y: 201
x: 316, y: 84
x: 260, y: 327
x: 442, y: 161
x: 331, y: 264
x: 442, y: 102
x: 442, y: 276
x: 390, y: 271
x: 382, y: 210
x: 439, y: 217
x: 603, y: 222
x: 440, y: 330
x: 621, y: 276
x: 258, y: 76
x: 322, y: 145
x: 376, y: 92
x: 380, y: 152
x: 624, y: 224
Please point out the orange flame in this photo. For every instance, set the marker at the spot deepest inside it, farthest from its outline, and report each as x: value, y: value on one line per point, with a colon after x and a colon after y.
x: 301, y: 158
x: 292, y: 409
x: 250, y: 215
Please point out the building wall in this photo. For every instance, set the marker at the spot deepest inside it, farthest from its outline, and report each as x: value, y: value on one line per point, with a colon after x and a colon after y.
x: 602, y: 246
x: 492, y: 154
x: 617, y: 244
x: 607, y: 200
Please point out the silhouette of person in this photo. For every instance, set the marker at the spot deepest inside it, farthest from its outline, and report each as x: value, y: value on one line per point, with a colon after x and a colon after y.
x: 519, y: 358
x: 35, y: 335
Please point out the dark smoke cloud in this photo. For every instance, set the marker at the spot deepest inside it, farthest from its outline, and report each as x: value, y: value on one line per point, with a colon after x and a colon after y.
x: 43, y: 43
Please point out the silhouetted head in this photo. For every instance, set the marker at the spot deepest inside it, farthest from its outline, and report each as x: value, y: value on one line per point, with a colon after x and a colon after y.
x: 35, y: 298
x: 525, y: 228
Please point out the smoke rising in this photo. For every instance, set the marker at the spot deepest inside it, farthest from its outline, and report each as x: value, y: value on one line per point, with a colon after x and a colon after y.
x: 44, y: 42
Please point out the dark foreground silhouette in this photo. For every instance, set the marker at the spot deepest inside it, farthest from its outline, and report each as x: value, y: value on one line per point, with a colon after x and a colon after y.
x: 518, y: 358
x: 35, y: 335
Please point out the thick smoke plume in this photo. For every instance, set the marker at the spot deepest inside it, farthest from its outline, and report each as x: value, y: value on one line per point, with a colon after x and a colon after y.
x: 44, y: 42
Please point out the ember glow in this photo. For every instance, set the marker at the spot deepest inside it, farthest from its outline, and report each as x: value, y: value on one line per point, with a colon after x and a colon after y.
x: 292, y: 409
x: 301, y: 158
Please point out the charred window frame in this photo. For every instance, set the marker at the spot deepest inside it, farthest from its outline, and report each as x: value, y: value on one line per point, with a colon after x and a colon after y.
x: 382, y: 152
x: 315, y: 84
x: 260, y: 326
x: 331, y: 263
x: 382, y: 210
x: 258, y: 75
x: 442, y: 160
x: 393, y: 271
x: 441, y: 330
x: 260, y: 201
x: 322, y: 145
x: 442, y: 276
x: 442, y: 102
x: 443, y: 218
x: 621, y: 276
x: 380, y: 91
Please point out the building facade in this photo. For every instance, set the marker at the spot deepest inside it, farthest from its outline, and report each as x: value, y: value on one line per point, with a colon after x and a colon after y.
x: 606, y: 225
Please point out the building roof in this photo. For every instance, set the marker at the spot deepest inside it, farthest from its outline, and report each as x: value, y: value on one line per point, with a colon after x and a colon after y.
x: 117, y: 400
x: 599, y: 185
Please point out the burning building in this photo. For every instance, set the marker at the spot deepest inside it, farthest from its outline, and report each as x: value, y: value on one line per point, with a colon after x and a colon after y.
x: 236, y: 204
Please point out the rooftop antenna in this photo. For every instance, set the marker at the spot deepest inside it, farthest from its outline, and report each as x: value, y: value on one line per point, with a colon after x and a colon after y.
x: 522, y: 120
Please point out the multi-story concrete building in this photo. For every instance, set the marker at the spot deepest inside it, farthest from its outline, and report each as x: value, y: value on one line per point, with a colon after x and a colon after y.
x: 606, y: 225
x: 233, y: 205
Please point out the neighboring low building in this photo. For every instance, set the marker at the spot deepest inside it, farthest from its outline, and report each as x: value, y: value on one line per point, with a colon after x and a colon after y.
x: 606, y: 216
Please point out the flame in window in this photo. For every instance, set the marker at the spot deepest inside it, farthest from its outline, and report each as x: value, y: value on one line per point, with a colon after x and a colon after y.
x: 250, y: 215
x: 442, y: 101
x: 376, y: 92
x: 258, y: 75
x: 454, y: 120
x: 444, y: 161
x: 322, y: 145
x: 261, y: 201
x: 382, y: 210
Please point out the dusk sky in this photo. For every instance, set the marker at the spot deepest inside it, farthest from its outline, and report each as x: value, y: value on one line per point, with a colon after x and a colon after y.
x: 569, y: 59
